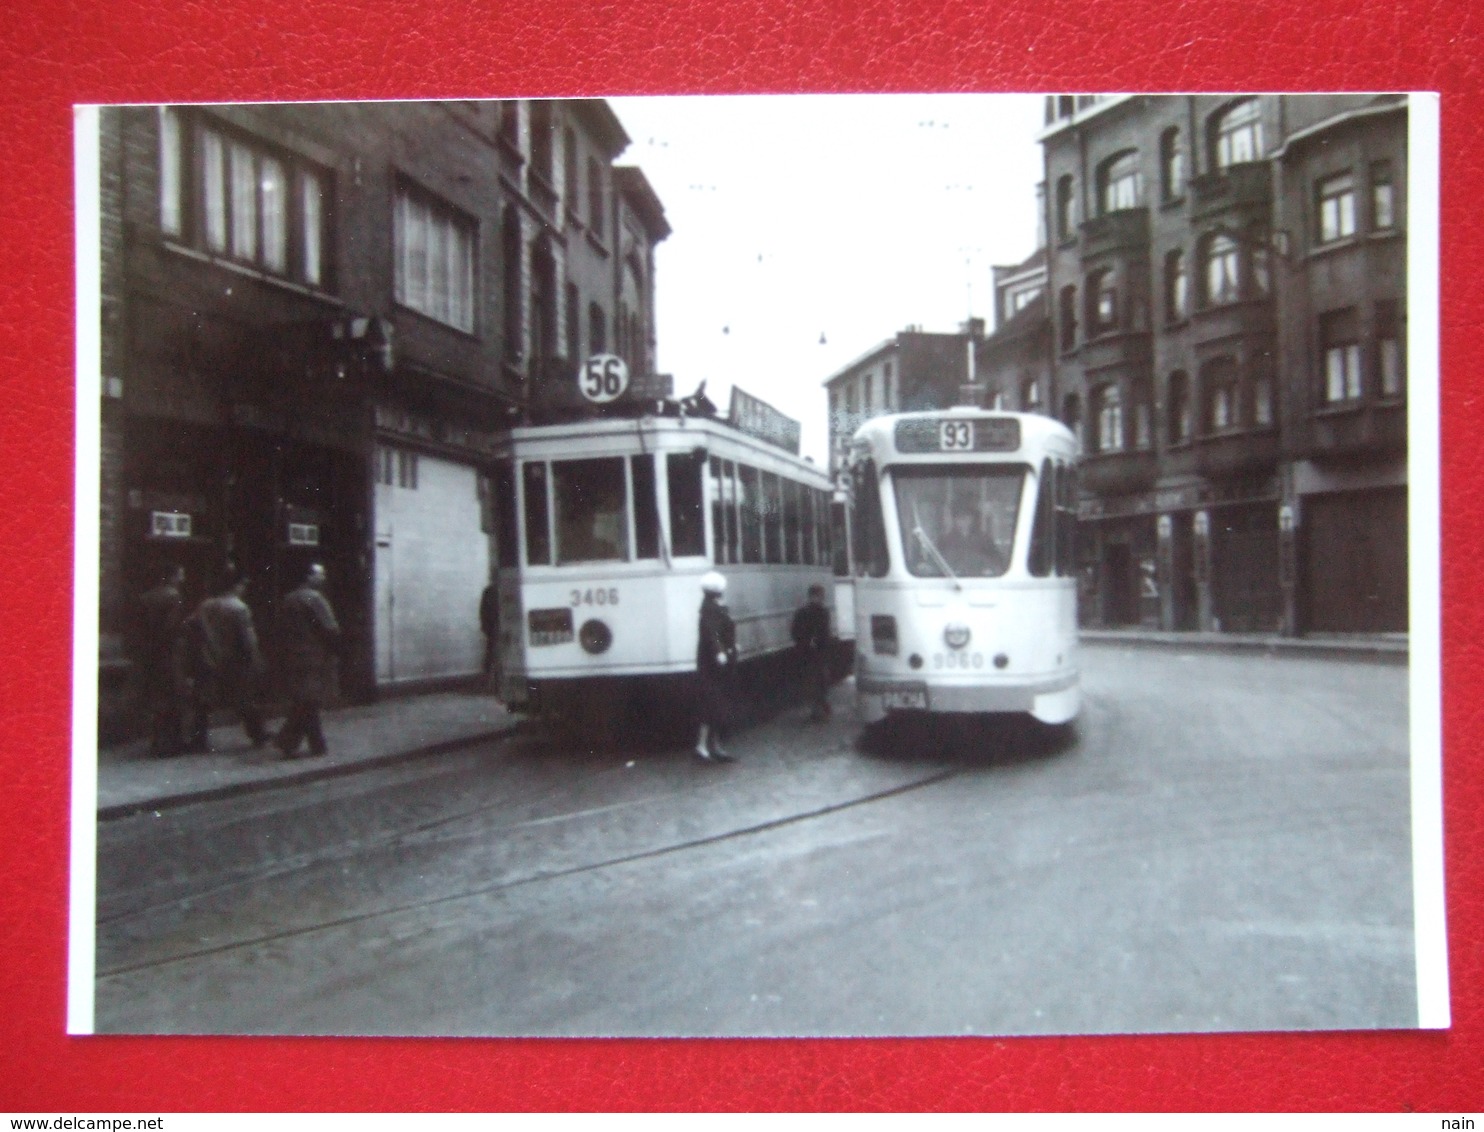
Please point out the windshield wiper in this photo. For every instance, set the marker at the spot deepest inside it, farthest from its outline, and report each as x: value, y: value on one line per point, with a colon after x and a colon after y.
x: 932, y: 549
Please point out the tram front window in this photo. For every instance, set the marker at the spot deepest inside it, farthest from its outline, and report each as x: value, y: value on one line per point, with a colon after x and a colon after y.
x: 591, y: 510
x: 958, y: 521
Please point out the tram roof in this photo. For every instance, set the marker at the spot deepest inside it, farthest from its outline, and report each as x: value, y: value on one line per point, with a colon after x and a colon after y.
x: 1036, y: 430
x: 580, y: 435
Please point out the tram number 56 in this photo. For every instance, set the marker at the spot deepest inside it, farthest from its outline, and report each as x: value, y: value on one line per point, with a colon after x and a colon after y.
x: 956, y: 436
x: 604, y: 378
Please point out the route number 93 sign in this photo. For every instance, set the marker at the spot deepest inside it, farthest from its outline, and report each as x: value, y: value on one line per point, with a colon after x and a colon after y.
x: 603, y: 378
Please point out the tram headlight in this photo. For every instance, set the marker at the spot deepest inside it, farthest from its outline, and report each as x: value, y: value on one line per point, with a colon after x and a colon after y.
x: 956, y: 635
x: 595, y: 637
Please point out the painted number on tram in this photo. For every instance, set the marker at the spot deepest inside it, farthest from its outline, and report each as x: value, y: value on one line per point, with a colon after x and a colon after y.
x: 598, y: 595
x: 604, y: 378
x: 956, y: 436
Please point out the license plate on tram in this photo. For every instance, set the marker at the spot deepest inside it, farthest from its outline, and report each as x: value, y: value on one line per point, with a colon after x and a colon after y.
x: 905, y: 700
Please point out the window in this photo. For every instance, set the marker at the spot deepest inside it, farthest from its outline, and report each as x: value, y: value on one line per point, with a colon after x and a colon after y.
x: 434, y: 253
x: 733, y: 523
x: 1237, y: 134
x: 1339, y: 346
x: 591, y: 510
x: 1220, y: 385
x: 772, y: 515
x: 543, y: 129
x: 1066, y: 521
x: 1383, y: 196
x: 1102, y: 299
x: 647, y: 508
x: 868, y: 529
x: 1043, y: 530
x: 1143, y: 414
x: 716, y: 488
x: 1336, y: 198
x: 510, y: 124
x: 570, y: 187
x: 1388, y: 350
x: 513, y: 295
x: 1262, y: 281
x: 597, y: 329
x: 793, y: 522
x: 889, y: 399
x: 1222, y: 279
x: 1120, y: 185
x: 1066, y: 209
x: 750, y: 501
x: 543, y: 327
x: 1030, y: 395
x: 507, y: 539
x: 1177, y: 287
x: 1179, y: 408
x: 1108, y: 409
x: 958, y: 519
x: 1262, y: 401
x: 683, y: 471
x: 234, y: 196
x: 1171, y: 165
x: 572, y: 315
x: 1071, y: 414
x: 595, y: 197
x: 809, y: 502
x: 538, y: 523
x: 1068, y: 317
x: 867, y: 381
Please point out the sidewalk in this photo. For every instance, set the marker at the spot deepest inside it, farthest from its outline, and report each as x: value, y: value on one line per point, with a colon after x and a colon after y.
x: 1390, y: 648
x: 394, y: 729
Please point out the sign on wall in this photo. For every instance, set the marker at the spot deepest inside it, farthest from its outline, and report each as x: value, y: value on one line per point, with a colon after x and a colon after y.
x: 169, y: 524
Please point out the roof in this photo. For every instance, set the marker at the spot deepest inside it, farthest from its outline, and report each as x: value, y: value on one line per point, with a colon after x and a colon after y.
x: 604, y: 123
x: 645, y: 201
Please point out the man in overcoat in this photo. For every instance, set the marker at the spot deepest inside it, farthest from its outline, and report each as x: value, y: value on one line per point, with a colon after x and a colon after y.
x: 813, y: 640
x: 225, y: 663
x: 310, y: 635
x: 716, y: 665
x: 158, y: 656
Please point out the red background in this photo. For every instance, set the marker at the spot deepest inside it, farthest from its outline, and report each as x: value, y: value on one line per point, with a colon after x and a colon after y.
x: 151, y: 50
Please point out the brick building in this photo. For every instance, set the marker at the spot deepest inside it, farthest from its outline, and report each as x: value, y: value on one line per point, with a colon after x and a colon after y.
x: 1226, y: 284
x: 315, y: 318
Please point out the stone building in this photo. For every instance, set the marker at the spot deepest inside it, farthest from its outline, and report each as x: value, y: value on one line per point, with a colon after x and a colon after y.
x: 315, y: 319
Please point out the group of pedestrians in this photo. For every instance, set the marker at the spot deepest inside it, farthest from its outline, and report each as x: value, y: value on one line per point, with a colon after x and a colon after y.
x: 191, y: 664
x: 716, y: 662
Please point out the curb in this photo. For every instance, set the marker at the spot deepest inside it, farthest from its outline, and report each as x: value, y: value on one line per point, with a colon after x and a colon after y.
x: 309, y: 773
x: 1368, y: 649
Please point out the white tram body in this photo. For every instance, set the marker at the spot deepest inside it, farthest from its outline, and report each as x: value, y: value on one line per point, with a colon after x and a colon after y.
x: 964, y: 525
x: 604, y: 529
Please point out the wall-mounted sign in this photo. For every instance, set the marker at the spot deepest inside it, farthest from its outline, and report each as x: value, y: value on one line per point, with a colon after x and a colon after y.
x: 603, y: 378
x: 169, y: 524
x: 758, y: 418
x: 303, y: 534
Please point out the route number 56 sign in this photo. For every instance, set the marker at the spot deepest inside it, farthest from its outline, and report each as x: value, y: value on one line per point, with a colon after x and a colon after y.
x: 603, y: 378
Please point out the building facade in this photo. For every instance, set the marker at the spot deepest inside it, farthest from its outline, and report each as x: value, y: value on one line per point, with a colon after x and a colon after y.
x: 316, y: 319
x: 1226, y: 294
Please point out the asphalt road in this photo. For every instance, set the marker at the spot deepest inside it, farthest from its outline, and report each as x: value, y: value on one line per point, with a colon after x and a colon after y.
x: 1221, y: 844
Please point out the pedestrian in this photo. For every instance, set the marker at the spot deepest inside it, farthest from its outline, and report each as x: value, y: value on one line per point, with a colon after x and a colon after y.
x: 310, y: 634
x: 813, y: 641
x: 158, y: 654
x: 225, y: 663
x: 489, y: 625
x: 716, y: 664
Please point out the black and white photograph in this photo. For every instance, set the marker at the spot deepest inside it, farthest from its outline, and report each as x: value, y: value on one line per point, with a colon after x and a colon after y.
x: 758, y: 566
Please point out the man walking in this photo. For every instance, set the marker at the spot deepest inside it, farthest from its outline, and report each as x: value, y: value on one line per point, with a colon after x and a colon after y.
x: 161, y: 615
x: 310, y: 633
x: 225, y: 662
x: 812, y: 639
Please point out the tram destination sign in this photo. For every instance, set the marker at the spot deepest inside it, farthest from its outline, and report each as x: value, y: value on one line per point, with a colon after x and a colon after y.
x: 957, y: 434
x: 758, y: 418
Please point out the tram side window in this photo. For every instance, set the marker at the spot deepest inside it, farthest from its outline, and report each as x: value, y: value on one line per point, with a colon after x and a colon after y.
x: 538, y: 525
x: 506, y: 549
x: 646, y: 508
x: 716, y: 487
x: 772, y: 518
x: 1043, y: 533
x: 838, y: 543
x: 591, y: 510
x: 792, y: 521
x: 808, y: 501
x: 869, y: 529
x: 729, y: 498
x: 1066, y: 521
x: 750, y: 491
x: 687, y: 519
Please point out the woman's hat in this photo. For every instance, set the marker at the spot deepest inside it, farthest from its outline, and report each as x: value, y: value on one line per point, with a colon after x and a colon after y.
x: 713, y: 583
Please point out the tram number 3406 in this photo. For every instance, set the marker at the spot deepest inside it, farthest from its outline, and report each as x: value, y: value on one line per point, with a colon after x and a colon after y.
x: 598, y: 595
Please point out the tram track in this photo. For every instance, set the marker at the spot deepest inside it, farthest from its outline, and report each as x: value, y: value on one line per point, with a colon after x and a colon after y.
x: 118, y: 970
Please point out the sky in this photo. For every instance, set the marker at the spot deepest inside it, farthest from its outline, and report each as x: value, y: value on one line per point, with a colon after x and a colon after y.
x: 808, y: 229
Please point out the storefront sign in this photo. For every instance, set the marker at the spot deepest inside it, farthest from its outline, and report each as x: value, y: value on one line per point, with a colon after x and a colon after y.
x: 303, y: 534
x: 169, y: 524
x: 758, y: 418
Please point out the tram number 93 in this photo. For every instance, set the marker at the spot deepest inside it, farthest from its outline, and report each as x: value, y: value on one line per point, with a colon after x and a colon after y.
x: 958, y: 660
x: 956, y: 436
x: 598, y: 595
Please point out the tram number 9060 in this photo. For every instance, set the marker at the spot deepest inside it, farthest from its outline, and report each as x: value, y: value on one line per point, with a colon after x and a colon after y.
x: 958, y: 660
x: 598, y: 595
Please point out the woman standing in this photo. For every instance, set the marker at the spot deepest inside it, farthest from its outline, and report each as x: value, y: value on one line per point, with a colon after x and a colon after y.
x: 716, y: 664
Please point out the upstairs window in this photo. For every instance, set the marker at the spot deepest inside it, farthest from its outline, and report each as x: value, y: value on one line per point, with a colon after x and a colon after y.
x: 543, y: 131
x: 1171, y: 165
x: 1222, y: 393
x: 1119, y: 183
x: 1383, y: 196
x: 1339, y: 347
x: 1066, y: 209
x: 595, y: 197
x: 237, y: 197
x: 1177, y: 287
x: 1222, y: 270
x: 434, y: 258
x: 1179, y: 408
x: 1336, y: 207
x: 1108, y: 408
x: 1102, y: 302
x: 1236, y: 134
x: 1262, y: 401
x: 1068, y: 317
x: 1388, y: 350
x: 1030, y: 395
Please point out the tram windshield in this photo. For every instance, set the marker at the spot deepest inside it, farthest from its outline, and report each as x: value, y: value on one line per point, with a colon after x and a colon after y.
x: 958, y: 521
x: 591, y: 510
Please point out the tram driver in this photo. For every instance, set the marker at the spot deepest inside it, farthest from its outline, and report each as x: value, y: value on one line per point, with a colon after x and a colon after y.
x: 968, y: 544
